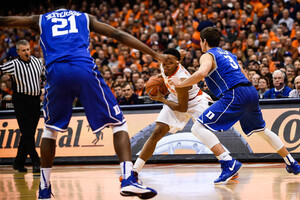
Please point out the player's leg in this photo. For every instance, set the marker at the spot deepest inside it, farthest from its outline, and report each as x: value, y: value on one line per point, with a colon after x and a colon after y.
x: 102, y: 110
x: 253, y: 122
x: 57, y: 112
x: 47, y: 156
x: 161, y: 129
x: 222, y: 115
x: 230, y: 166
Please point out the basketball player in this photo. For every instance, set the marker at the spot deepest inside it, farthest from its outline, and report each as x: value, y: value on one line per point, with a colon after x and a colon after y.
x: 238, y: 101
x: 181, y: 105
x: 71, y: 72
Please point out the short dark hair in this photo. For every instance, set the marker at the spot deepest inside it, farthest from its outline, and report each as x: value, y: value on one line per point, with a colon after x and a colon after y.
x: 127, y: 83
x: 212, y: 35
x: 173, y: 52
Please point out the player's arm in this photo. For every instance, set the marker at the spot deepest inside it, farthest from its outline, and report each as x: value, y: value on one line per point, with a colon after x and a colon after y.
x: 244, y: 72
x: 127, y: 39
x: 183, y: 99
x: 206, y: 65
x: 20, y: 22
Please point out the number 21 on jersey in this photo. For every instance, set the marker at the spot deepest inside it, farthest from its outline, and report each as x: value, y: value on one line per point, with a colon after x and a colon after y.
x: 60, y: 26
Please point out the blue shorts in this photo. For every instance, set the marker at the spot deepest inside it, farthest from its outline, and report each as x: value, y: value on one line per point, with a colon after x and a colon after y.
x: 65, y: 82
x: 236, y: 104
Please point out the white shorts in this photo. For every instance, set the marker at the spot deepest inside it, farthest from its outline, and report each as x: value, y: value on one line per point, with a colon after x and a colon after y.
x: 177, y: 120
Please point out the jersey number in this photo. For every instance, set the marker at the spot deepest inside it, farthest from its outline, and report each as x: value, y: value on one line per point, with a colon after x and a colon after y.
x: 62, y: 26
x: 232, y: 63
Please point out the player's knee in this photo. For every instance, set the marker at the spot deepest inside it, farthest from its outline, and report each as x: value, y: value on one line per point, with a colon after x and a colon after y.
x: 271, y: 138
x: 50, y: 134
x: 123, y: 127
x: 196, y: 128
x: 160, y: 131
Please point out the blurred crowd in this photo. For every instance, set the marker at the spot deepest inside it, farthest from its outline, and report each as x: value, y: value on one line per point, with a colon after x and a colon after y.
x: 263, y: 34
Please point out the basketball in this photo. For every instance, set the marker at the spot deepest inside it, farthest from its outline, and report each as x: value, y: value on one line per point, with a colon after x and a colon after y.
x: 153, y: 84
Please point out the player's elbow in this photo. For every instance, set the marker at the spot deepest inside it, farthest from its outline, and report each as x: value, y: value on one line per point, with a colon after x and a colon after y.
x: 183, y: 109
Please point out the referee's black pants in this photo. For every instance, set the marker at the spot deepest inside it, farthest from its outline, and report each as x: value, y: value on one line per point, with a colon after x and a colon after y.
x: 27, y: 109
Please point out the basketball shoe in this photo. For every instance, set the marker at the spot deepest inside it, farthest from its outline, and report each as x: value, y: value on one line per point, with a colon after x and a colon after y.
x: 45, y: 194
x: 130, y: 187
x: 229, y: 169
x: 293, y: 168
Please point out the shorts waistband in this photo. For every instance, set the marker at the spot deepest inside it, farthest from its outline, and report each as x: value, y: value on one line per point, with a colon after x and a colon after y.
x: 240, y: 85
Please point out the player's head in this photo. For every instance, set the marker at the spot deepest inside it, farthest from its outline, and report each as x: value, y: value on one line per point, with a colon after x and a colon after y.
x: 58, y: 3
x: 210, y: 36
x: 170, y: 69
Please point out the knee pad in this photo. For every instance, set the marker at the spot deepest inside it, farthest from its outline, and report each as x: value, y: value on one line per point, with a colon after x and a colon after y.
x: 123, y: 127
x: 49, y: 133
x: 271, y: 138
x: 204, y: 135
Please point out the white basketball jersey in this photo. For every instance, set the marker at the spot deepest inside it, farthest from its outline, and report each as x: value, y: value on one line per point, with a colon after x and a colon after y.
x: 180, y: 72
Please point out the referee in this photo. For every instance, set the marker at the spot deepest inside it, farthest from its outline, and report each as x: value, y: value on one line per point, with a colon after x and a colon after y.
x: 25, y: 72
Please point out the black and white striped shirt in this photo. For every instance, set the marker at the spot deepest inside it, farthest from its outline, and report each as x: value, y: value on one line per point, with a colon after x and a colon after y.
x: 26, y: 75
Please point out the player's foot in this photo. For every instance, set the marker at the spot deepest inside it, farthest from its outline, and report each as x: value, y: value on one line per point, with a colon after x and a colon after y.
x: 45, y: 194
x: 235, y: 176
x: 130, y: 187
x: 229, y: 169
x: 136, y: 175
x: 293, y: 168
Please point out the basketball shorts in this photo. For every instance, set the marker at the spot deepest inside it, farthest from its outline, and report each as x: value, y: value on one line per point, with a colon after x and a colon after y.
x: 65, y: 82
x: 236, y: 104
x: 177, y: 120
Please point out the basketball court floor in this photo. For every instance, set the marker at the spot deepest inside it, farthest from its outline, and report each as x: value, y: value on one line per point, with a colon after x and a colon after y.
x: 172, y: 181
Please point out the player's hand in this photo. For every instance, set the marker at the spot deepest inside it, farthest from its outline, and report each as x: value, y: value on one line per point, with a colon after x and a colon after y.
x: 166, y: 59
x: 158, y: 97
x: 174, y: 81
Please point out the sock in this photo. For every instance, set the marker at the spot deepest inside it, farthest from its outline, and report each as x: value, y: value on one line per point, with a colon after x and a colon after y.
x: 45, y: 177
x: 126, y: 168
x: 138, y: 165
x: 224, y: 156
x: 289, y: 160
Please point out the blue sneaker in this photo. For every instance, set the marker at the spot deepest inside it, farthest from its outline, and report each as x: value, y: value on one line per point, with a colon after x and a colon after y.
x: 229, y: 169
x: 45, y: 194
x: 293, y: 168
x: 130, y: 187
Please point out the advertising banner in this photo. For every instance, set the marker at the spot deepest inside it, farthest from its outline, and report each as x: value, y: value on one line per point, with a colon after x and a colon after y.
x: 80, y: 141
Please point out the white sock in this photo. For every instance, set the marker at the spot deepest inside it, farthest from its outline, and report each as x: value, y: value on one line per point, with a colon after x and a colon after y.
x: 126, y: 168
x: 289, y: 159
x: 224, y: 156
x: 45, y: 177
x: 138, y: 165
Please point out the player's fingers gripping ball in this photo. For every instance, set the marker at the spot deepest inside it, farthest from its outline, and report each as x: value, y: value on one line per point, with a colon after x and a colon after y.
x: 154, y: 84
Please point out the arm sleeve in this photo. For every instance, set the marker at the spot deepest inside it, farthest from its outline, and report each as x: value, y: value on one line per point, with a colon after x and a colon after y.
x: 8, y: 67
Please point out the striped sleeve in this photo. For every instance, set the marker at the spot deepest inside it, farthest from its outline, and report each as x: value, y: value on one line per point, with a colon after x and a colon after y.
x: 8, y: 67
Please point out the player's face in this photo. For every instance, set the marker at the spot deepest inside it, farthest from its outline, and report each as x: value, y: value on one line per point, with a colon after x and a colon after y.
x: 24, y: 52
x: 202, y: 44
x: 170, y: 69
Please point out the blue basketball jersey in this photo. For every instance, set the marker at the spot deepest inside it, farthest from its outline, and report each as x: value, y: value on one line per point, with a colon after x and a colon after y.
x: 226, y: 74
x: 65, y: 28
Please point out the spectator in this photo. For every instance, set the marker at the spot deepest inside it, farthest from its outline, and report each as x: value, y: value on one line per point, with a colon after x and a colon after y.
x: 280, y: 90
x: 254, y: 80
x: 296, y: 92
x: 129, y: 97
x: 263, y: 86
x: 292, y: 50
x: 140, y: 87
x: 118, y: 93
x: 286, y: 18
